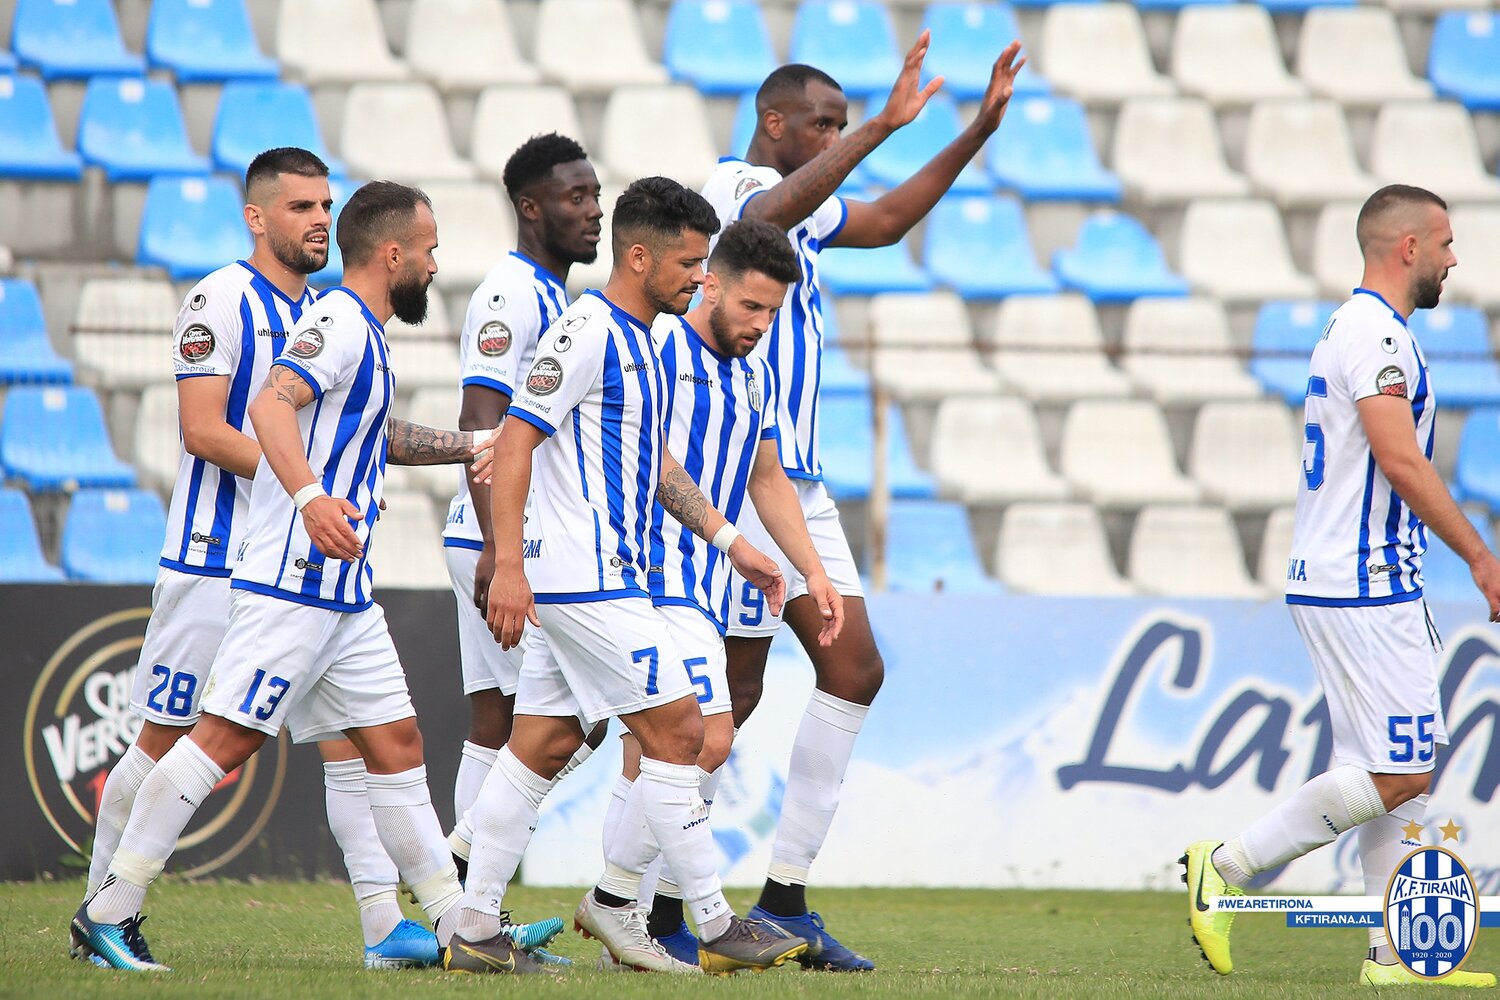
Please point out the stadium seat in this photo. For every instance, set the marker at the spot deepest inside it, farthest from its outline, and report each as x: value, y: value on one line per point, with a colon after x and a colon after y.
x: 119, y: 329
x: 1097, y: 53
x: 929, y: 549
x: 21, y: 558
x: 1237, y: 251
x: 339, y: 189
x: 133, y: 128
x: 1116, y: 259
x: 1049, y: 349
x: 1301, y: 153
x: 989, y: 451
x: 29, y: 146
x: 1176, y: 5
x: 1167, y: 151
x: 909, y: 148
x: 206, y: 40
x: 1426, y: 9
x: 435, y: 406
x: 852, y: 41
x: 1189, y: 552
x: 26, y: 355
x: 71, y: 39
x: 719, y: 46
x: 1118, y: 453
x: 113, y: 536
x: 1477, y: 473
x: 1057, y: 549
x: 1456, y: 344
x: 398, y: 131
x: 475, y: 229
x: 407, y: 551
x: 675, y: 117
x: 868, y: 271
x: 53, y: 438
x: 1478, y: 227
x: 1044, y: 152
x: 1464, y: 61
x: 980, y: 247
x: 335, y: 41
x: 1303, y: 6
x: 924, y: 348
x: 967, y: 37
x: 255, y: 116
x: 1282, y: 343
x: 192, y: 225
x: 507, y: 116
x: 465, y: 45
x: 157, y: 448
x: 437, y: 326
x: 593, y: 46
x: 1229, y: 55
x: 836, y: 373
x: 1356, y: 56
x: 1180, y: 351
x: 1246, y: 453
x: 846, y: 440
x: 1432, y: 145
x: 1337, y: 263
x: 1276, y: 549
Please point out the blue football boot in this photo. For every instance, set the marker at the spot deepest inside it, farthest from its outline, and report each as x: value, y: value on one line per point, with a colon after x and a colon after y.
x: 824, y: 952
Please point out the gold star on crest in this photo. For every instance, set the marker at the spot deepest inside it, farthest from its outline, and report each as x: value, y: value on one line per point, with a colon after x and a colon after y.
x: 1451, y: 830
x: 1412, y: 831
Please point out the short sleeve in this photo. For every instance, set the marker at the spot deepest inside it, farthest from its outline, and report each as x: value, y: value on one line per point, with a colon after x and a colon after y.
x: 828, y: 219
x: 326, y: 349
x: 498, y: 327
x: 206, y: 336
x: 1381, y: 363
x: 569, y: 358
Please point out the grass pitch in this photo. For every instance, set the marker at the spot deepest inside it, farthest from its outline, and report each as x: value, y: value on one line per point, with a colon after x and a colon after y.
x: 294, y: 940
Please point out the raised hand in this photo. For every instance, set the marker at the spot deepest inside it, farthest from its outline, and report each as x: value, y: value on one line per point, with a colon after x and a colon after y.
x: 1002, y: 85
x: 908, y: 97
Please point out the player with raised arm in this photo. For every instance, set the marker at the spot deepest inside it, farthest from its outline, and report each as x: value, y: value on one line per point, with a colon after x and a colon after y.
x: 306, y: 646
x: 231, y: 326
x: 1368, y: 495
x: 591, y: 412
x: 795, y: 163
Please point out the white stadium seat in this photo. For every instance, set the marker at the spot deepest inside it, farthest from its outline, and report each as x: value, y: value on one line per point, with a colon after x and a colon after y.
x: 1230, y: 55
x: 157, y: 450
x: 464, y: 44
x: 1301, y: 153
x: 507, y: 116
x: 1337, y: 262
x: 1167, y: 150
x: 593, y: 46
x: 334, y: 41
x: 476, y: 227
x: 1049, y: 348
x: 989, y: 451
x: 1476, y: 236
x: 924, y: 347
x: 1355, y: 55
x: 437, y: 325
x: 122, y: 331
x: 1189, y: 552
x: 658, y: 130
x: 1057, y: 549
x: 398, y: 131
x: 1246, y: 453
x: 1276, y: 548
x: 1237, y: 251
x: 1118, y: 453
x: 1180, y: 351
x: 1434, y: 146
x: 407, y: 551
x: 1097, y: 53
x: 434, y: 406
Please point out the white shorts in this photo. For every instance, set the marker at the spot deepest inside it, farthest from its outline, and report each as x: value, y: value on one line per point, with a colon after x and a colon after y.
x: 748, y: 615
x: 598, y: 660
x: 485, y: 665
x: 318, y: 672
x: 702, y: 649
x: 188, y: 616
x: 1378, y: 668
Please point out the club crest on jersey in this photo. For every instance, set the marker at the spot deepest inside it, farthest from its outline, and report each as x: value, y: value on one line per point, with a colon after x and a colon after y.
x: 494, y: 339
x: 309, y: 344
x: 744, y: 187
x: 1391, y: 381
x: 1431, y: 912
x: 752, y: 388
x: 546, y: 375
x: 574, y: 323
x: 196, y: 343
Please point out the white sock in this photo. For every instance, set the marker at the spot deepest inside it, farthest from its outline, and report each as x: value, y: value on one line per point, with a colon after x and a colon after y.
x: 679, y: 823
x: 708, y: 784
x: 820, y: 756
x: 164, y: 806
x: 615, y: 809
x: 1382, y: 845
x: 408, y: 827
x: 372, y: 873
x: 1312, y: 816
x: 580, y: 755
x: 658, y: 880
x: 504, y: 820
x: 124, y: 781
x: 631, y: 846
x: 474, y: 765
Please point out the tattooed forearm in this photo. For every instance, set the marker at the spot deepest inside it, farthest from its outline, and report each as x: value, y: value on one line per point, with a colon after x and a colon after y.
x: 809, y: 186
x: 681, y: 497
x: 414, y: 444
x: 289, y: 387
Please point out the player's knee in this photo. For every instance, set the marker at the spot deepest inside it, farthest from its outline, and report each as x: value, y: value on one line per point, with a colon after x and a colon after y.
x: 489, y: 722
x: 1398, y: 789
x: 672, y: 732
x: 855, y: 678
x: 744, y: 696
x: 154, y: 739
x: 226, y: 743
x: 717, y: 741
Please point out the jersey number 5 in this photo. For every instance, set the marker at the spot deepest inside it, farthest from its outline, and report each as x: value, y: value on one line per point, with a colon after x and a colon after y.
x: 1314, y: 452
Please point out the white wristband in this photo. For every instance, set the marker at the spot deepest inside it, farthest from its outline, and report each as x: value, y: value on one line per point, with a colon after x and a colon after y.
x: 308, y: 494
x: 725, y: 536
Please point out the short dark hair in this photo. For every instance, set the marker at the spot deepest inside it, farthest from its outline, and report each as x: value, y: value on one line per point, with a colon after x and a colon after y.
x: 1389, y: 199
x: 534, y: 159
x: 789, y: 81
x: 373, y: 215
x: 273, y: 163
x: 755, y: 245
x: 653, y: 210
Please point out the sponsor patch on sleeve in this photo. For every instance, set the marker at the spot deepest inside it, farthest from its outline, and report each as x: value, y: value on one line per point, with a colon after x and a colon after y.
x: 545, y: 378
x: 196, y: 344
x: 1391, y: 381
x: 745, y: 186
x: 309, y: 344
x: 494, y: 339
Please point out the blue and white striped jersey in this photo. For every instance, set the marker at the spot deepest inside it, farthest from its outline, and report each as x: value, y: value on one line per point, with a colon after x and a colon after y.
x: 339, y: 349
x: 596, y: 391
x: 231, y: 324
x: 793, y: 347
x: 716, y: 417
x: 1355, y: 542
x: 507, y: 313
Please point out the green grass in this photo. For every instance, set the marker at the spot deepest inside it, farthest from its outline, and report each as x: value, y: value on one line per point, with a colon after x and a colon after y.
x: 294, y: 940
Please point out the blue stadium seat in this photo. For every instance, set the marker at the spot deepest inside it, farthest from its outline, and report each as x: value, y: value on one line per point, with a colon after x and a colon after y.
x: 719, y: 46
x: 1282, y: 343
x: 192, y: 225
x: 852, y: 41
x: 1456, y: 343
x: 1045, y: 3
x: 1043, y: 150
x: 71, y: 39
x: 21, y: 559
x: 1303, y: 6
x: 1478, y: 472
x: 909, y: 148
x: 29, y: 146
x: 339, y: 188
x: 981, y: 248
x: 847, y: 444
x: 1174, y: 5
x: 7, y: 63
x: 869, y: 271
x: 744, y: 130
x: 929, y: 548
x: 1464, y: 61
x: 133, y: 128
x: 113, y: 536
x: 255, y: 116
x: 53, y: 438
x: 838, y: 374
x: 1116, y: 260
x: 1445, y: 576
x: 966, y: 39
x: 26, y: 354
x: 202, y: 40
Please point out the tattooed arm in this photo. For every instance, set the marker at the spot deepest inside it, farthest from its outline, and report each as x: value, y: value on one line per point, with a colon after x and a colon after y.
x: 416, y: 444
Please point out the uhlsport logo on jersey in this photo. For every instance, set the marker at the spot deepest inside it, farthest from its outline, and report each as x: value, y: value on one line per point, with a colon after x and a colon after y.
x: 1431, y: 912
x: 79, y: 723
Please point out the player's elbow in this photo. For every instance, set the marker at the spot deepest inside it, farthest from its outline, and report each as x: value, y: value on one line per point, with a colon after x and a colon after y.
x: 1401, y: 466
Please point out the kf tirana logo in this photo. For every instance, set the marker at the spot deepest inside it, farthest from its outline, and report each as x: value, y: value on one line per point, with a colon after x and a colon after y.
x: 79, y: 723
x: 1431, y: 912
